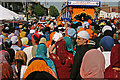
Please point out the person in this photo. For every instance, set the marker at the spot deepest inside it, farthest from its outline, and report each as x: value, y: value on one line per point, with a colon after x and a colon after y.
x: 6, y: 72
x: 93, y: 65
x: 81, y: 48
x: 24, y: 42
x: 38, y: 65
x: 113, y: 70
x: 14, y: 46
x: 41, y: 52
x: 20, y: 64
x: 106, y: 44
x: 12, y: 54
x: 7, y: 43
x: 35, y: 41
x: 69, y: 45
x: 63, y: 60
x: 101, y: 34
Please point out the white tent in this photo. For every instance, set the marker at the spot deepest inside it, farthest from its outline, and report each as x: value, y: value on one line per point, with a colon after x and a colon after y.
x: 6, y: 14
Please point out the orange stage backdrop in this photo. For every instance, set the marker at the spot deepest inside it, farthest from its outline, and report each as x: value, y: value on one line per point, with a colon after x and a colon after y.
x: 89, y: 11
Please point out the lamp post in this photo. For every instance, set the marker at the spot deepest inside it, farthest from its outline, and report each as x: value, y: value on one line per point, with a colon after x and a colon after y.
x: 26, y: 12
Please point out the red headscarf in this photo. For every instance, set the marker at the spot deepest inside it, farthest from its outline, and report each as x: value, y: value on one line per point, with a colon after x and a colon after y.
x: 36, y: 38
x: 61, y: 50
x: 115, y: 56
x: 110, y: 72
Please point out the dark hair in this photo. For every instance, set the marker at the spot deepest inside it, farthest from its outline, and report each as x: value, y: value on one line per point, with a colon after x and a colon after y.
x: 108, y: 33
x: 12, y: 54
x: 47, y: 29
x: 19, y: 62
x: 8, y: 44
x: 56, y: 29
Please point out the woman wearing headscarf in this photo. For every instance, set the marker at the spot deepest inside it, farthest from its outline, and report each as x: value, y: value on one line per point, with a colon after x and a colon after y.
x: 24, y: 42
x: 22, y: 34
x: 42, y: 53
x: 38, y: 65
x: 113, y: 70
x: 93, y: 65
x: 5, y: 68
x: 28, y: 50
x: 15, y: 46
x: 69, y: 45
x: 62, y: 59
x: 20, y: 61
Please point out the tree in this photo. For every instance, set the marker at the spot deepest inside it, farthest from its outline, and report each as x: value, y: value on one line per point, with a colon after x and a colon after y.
x: 39, y: 11
x: 53, y: 11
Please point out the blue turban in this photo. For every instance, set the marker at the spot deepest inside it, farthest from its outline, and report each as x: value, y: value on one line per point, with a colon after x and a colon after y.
x: 107, y: 42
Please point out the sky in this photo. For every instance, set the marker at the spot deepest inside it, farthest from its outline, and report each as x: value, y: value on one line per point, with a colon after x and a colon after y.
x: 58, y: 5
x: 66, y: 0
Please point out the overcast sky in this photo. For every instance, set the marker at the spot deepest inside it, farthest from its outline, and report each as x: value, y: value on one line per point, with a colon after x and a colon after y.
x: 58, y: 5
x: 66, y: 0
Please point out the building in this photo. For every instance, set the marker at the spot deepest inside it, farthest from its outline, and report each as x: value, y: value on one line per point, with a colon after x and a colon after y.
x: 72, y: 8
x: 110, y: 11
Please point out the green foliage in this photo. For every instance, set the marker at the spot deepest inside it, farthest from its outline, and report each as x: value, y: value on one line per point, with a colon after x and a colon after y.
x: 53, y: 11
x: 39, y: 11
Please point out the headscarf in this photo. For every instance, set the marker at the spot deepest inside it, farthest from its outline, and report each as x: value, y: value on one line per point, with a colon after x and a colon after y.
x: 21, y: 55
x: 43, y: 40
x: 93, y: 64
x: 69, y: 44
x: 42, y: 53
x: 37, y: 65
x: 24, y: 41
x: 22, y: 34
x: 107, y: 42
x: 6, y: 72
x: 115, y: 56
x: 14, y: 39
x: 36, y: 38
x: 61, y: 50
x: 4, y: 57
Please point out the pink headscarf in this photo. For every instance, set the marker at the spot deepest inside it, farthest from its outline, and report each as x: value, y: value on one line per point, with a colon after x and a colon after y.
x: 4, y: 56
x: 93, y: 64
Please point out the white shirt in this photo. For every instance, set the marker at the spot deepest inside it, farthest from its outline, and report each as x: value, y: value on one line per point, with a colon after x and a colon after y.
x: 107, y: 55
x: 23, y: 69
x: 28, y: 51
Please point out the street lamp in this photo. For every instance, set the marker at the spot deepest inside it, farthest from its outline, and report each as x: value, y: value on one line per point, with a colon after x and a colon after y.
x: 26, y: 12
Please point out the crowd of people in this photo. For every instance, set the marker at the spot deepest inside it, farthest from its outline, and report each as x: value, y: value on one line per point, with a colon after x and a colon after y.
x: 56, y: 49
